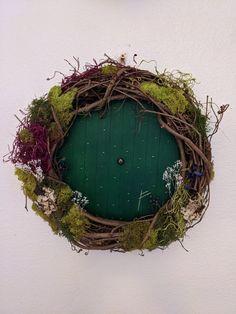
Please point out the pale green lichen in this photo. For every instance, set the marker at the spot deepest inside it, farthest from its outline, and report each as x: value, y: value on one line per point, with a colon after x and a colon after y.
x: 75, y: 222
x: 62, y: 104
x: 173, y: 98
x: 109, y: 69
x: 29, y: 183
x: 25, y: 136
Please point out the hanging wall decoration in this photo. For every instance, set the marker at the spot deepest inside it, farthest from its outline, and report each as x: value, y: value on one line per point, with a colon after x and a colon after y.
x: 116, y: 157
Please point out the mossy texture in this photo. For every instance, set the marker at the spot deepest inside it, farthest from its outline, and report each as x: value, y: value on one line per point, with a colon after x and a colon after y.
x: 25, y: 136
x: 75, y: 221
x: 133, y: 235
x: 40, y: 111
x: 49, y: 219
x: 29, y: 183
x: 199, y: 120
x: 63, y: 196
x: 109, y: 69
x: 171, y: 225
x: 176, y: 79
x: 171, y: 97
x: 151, y: 242
x: 62, y: 104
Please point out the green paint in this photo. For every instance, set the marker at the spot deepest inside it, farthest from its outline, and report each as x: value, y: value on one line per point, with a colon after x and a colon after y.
x: 92, y: 147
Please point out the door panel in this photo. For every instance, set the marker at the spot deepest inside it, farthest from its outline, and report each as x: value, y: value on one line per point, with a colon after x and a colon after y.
x: 91, y: 151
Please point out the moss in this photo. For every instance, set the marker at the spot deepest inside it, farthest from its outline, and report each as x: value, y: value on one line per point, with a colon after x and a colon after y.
x: 109, y: 69
x: 65, y: 231
x: 29, y: 183
x: 133, y: 235
x: 25, y: 136
x: 50, y: 220
x: 199, y: 120
x: 151, y: 242
x: 171, y: 97
x: 53, y: 132
x: 54, y: 93
x: 171, y: 225
x: 75, y: 221
x: 62, y: 104
x: 63, y: 196
x: 177, y: 79
x: 40, y: 111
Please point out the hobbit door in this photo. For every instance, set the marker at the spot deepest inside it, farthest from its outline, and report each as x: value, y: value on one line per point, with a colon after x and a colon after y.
x: 117, y: 159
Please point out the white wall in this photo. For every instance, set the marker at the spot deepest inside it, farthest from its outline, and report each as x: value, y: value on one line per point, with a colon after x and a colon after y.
x: 39, y: 273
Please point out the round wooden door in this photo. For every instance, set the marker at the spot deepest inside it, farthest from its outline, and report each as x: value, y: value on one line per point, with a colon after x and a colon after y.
x: 117, y: 160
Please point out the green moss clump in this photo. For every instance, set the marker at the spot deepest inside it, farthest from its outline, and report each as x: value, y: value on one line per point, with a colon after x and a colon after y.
x: 49, y: 219
x: 171, y: 97
x: 29, y: 183
x: 133, y: 235
x: 63, y: 196
x: 173, y: 228
x: 151, y: 242
x: 171, y: 225
x: 62, y: 104
x: 200, y: 121
x: 109, y: 69
x: 54, y: 93
x: 25, y: 136
x: 75, y: 222
x: 40, y: 111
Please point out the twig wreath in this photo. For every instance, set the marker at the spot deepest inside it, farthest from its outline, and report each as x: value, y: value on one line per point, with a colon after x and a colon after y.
x: 48, y: 119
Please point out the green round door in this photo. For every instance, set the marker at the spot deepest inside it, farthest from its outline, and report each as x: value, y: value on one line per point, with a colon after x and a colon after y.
x: 117, y: 160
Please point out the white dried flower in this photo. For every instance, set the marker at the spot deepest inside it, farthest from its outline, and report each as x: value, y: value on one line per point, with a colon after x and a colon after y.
x: 172, y: 176
x: 46, y: 201
x: 79, y: 199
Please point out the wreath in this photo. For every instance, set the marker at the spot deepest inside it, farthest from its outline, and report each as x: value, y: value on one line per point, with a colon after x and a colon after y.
x: 45, y: 126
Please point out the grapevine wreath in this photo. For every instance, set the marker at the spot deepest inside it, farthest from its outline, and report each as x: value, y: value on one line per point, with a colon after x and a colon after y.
x: 45, y: 127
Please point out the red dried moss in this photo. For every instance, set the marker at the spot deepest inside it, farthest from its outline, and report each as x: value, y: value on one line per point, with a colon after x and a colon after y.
x: 35, y: 152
